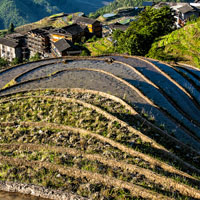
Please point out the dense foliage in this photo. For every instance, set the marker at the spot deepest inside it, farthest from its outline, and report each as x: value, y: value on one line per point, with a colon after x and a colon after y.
x: 36, y: 57
x: 151, y: 23
x: 180, y: 45
x: 3, y: 63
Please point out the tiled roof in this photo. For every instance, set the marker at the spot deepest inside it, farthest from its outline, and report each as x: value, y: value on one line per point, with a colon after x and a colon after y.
x: 8, y: 42
x: 85, y: 20
x: 39, y: 31
x: 73, y: 29
x: 63, y: 45
x: 186, y: 8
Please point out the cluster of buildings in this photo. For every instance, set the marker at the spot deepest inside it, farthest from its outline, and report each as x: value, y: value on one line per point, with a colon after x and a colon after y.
x: 182, y: 11
x: 57, y: 42
x: 49, y: 41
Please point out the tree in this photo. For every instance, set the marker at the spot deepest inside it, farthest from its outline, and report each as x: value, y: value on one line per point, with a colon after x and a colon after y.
x: 11, y: 28
x: 3, y: 63
x: 116, y: 34
x: 15, y: 61
x: 35, y: 57
x: 150, y: 24
x: 84, y: 53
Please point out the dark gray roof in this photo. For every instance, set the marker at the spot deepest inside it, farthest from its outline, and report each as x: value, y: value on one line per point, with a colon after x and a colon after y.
x: 73, y: 29
x: 186, y: 8
x: 85, y: 20
x: 40, y: 31
x: 15, y: 35
x: 9, y: 42
x: 63, y: 45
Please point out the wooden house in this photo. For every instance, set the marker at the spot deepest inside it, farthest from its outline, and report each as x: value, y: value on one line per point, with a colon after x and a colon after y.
x: 182, y: 11
x: 91, y: 26
x: 187, y: 11
x: 10, y: 49
x: 21, y: 39
x: 64, y: 47
x: 38, y: 42
x: 74, y: 33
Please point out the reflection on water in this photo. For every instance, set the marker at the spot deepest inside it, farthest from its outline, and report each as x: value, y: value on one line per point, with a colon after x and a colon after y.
x: 17, y: 196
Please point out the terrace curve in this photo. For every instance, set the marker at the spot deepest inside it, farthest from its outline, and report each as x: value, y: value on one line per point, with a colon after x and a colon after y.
x: 81, y: 137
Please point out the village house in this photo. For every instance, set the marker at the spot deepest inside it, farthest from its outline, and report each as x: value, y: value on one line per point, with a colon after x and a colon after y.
x: 64, y: 47
x: 91, y: 26
x: 182, y: 11
x: 49, y: 41
x: 117, y: 26
x: 38, y: 42
x: 10, y: 49
x: 21, y: 39
x: 73, y: 32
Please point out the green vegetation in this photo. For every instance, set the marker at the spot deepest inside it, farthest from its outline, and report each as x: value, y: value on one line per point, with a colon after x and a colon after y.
x: 150, y: 24
x: 180, y: 45
x: 99, y: 46
x: 52, y: 138
x: 11, y: 28
x: 36, y: 57
x: 3, y: 63
x: 116, y: 4
x: 23, y: 11
x: 122, y: 113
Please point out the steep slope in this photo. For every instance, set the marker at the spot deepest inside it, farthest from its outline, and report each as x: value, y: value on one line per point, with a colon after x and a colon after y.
x: 124, y: 3
x: 180, y: 45
x: 25, y: 11
x: 80, y: 142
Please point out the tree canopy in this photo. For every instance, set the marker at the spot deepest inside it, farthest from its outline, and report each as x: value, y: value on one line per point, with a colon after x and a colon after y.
x: 150, y: 24
x: 11, y: 28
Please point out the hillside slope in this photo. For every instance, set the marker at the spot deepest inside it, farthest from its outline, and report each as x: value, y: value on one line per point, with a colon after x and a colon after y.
x: 124, y: 3
x: 180, y: 45
x: 113, y: 135
x: 25, y: 11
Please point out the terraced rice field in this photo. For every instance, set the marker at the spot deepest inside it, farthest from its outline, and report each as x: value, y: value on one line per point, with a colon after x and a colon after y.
x: 97, y: 128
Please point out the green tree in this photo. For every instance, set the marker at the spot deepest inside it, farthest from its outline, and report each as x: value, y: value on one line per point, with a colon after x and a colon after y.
x: 35, y: 57
x: 116, y: 34
x: 151, y: 24
x: 85, y: 53
x: 15, y: 61
x: 11, y: 28
x: 3, y: 63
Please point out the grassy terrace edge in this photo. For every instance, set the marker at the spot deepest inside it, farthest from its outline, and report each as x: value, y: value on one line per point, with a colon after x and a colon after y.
x: 10, y: 151
x: 129, y: 108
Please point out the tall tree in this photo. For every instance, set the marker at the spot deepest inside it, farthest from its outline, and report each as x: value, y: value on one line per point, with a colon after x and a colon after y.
x: 151, y: 23
x: 11, y: 28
